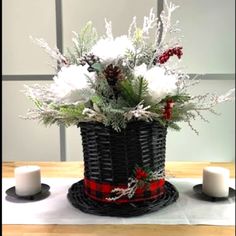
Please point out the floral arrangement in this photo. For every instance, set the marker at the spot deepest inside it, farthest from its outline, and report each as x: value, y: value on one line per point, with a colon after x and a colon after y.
x: 115, y: 80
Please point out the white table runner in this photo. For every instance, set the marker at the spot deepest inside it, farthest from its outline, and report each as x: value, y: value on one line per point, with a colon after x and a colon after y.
x: 56, y: 209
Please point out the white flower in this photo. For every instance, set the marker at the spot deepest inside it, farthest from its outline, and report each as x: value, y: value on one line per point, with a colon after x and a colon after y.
x: 71, y: 85
x: 140, y: 70
x: 110, y: 50
x: 160, y: 84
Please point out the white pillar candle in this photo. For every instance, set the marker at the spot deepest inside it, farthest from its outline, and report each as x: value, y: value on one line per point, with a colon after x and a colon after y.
x: 215, y: 181
x: 28, y: 180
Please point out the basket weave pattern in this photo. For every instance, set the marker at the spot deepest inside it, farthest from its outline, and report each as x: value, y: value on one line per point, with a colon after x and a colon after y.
x: 80, y: 200
x: 111, y: 156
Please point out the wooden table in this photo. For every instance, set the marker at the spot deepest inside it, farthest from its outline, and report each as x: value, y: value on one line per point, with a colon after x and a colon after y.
x: 75, y: 169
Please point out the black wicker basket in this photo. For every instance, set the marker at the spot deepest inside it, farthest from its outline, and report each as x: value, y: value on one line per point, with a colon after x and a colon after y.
x: 110, y: 157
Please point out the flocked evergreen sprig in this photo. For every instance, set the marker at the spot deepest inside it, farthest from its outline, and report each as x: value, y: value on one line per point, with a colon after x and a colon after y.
x: 116, y: 80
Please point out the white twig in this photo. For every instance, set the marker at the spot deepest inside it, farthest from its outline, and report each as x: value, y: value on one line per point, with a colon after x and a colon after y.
x: 133, y: 185
x: 129, y: 191
x: 139, y: 112
x: 166, y: 20
x: 227, y: 96
x: 108, y: 26
x: 132, y: 28
x: 149, y: 22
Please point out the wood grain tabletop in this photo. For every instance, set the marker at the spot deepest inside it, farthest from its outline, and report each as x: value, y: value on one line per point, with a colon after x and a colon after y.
x: 75, y: 169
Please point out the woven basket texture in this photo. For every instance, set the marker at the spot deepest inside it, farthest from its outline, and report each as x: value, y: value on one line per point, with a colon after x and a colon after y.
x: 111, y: 156
x: 80, y: 200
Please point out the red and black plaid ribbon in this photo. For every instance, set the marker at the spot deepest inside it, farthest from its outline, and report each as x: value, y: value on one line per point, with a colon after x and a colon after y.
x: 102, y: 191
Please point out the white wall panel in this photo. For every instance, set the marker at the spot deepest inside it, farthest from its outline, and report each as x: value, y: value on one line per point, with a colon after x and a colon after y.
x: 74, y: 149
x: 209, y: 35
x: 25, y: 140
x: 22, y: 18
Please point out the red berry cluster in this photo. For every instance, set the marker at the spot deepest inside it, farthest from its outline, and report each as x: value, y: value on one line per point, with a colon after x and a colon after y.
x: 168, y: 109
x: 169, y: 53
x: 141, y: 174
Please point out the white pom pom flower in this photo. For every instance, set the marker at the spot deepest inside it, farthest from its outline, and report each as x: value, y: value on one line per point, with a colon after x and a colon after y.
x: 111, y: 50
x: 71, y: 85
x: 160, y: 84
x: 140, y: 71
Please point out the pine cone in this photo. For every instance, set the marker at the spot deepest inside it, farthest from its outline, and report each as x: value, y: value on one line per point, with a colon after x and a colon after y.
x: 113, y: 74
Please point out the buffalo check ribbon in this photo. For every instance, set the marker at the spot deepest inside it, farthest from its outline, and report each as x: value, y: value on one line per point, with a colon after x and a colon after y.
x: 102, y: 191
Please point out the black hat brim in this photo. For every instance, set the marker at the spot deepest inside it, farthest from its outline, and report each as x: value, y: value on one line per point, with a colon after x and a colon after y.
x: 80, y: 200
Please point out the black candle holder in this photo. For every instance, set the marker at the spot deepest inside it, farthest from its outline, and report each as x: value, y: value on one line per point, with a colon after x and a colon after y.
x: 11, y: 192
x: 198, y: 190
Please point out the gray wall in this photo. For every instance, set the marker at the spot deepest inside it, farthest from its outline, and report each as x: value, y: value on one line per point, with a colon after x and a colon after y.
x: 209, y: 48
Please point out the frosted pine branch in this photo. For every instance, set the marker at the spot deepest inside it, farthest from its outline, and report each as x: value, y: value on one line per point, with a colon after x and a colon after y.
x: 31, y: 115
x: 39, y: 92
x: 75, y: 41
x: 54, y: 53
x: 40, y: 113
